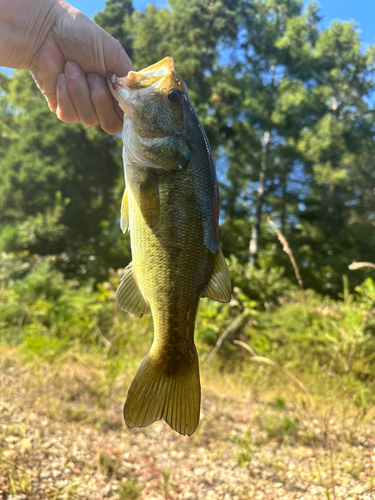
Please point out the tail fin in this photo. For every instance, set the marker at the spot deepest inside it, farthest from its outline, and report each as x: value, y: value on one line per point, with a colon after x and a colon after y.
x: 158, y: 393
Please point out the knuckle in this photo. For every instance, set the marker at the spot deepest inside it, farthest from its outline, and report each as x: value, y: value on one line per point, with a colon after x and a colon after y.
x: 90, y: 122
x: 71, y: 120
x: 111, y: 130
x: 67, y: 116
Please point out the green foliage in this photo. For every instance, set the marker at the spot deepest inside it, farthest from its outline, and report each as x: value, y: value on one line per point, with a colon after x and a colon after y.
x: 278, y: 426
x: 334, y: 337
x: 245, y: 445
x: 366, y: 294
x: 130, y: 490
x: 49, y: 316
x: 39, y: 306
x: 113, y: 19
x: 57, y: 190
x: 264, y: 284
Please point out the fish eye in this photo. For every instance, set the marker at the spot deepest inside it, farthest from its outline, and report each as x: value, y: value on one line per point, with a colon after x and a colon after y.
x: 175, y: 95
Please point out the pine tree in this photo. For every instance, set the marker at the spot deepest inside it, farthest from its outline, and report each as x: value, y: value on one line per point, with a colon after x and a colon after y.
x: 271, y: 67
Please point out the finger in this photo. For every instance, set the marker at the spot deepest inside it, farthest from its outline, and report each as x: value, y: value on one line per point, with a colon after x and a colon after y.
x: 102, y: 101
x: 65, y: 110
x: 79, y: 92
x: 116, y: 59
x: 103, y: 55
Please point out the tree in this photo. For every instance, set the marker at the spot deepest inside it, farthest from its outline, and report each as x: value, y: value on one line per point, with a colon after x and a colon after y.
x: 338, y: 149
x: 113, y: 20
x: 271, y: 67
x: 288, y: 110
x: 190, y: 32
x: 57, y: 184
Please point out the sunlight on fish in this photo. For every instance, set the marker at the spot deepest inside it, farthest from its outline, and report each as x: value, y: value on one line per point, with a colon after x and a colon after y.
x: 171, y: 207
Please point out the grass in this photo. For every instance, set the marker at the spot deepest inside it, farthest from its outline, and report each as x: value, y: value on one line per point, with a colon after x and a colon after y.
x: 287, y: 401
x: 64, y: 419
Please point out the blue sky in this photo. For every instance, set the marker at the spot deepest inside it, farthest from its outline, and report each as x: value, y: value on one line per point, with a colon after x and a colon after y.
x: 361, y: 11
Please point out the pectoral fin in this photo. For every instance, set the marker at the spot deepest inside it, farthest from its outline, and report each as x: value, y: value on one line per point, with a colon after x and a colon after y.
x: 129, y: 297
x: 147, y: 196
x: 124, y: 221
x: 219, y: 287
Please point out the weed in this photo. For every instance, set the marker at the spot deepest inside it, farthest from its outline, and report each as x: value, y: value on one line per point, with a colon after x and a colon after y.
x: 108, y: 465
x: 243, y: 453
x: 130, y: 490
x: 166, y: 477
x: 75, y: 414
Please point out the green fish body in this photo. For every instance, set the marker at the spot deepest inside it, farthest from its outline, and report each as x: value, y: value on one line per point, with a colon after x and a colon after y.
x: 171, y: 207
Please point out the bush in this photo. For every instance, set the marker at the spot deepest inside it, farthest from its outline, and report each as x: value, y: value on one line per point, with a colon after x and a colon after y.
x: 49, y: 314
x: 265, y: 284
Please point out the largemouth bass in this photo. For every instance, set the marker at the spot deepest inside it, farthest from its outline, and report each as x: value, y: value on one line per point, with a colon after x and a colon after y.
x: 171, y: 207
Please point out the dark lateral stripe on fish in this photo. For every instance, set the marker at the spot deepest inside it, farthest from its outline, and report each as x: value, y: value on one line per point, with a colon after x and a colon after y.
x: 215, y: 200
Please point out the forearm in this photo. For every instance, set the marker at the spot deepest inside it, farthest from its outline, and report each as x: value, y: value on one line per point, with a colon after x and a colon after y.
x: 24, y: 25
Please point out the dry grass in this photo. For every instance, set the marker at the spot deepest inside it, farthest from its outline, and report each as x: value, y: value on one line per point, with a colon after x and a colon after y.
x: 62, y: 436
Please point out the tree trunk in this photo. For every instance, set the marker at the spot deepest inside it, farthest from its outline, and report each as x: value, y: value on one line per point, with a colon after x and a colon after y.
x: 253, y: 247
x: 283, y: 200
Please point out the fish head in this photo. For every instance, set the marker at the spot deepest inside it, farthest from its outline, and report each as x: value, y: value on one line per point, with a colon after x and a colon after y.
x: 155, y: 101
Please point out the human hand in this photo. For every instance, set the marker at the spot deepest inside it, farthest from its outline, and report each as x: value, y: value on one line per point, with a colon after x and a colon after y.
x: 69, y: 57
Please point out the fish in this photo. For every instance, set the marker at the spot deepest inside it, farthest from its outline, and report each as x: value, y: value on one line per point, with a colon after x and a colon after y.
x: 171, y: 208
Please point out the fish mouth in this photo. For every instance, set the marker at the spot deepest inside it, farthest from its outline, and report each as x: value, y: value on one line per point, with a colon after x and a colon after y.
x: 120, y: 90
x: 125, y: 89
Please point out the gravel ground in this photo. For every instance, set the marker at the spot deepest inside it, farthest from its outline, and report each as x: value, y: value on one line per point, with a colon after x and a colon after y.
x: 62, y: 436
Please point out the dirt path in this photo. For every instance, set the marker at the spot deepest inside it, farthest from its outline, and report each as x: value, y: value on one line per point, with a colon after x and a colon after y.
x: 62, y: 436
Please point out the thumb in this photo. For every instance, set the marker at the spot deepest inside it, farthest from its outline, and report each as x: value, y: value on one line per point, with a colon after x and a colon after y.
x: 83, y: 41
x: 115, y: 59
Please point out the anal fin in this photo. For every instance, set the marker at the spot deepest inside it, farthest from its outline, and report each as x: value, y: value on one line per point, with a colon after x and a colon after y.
x: 129, y: 297
x: 219, y: 287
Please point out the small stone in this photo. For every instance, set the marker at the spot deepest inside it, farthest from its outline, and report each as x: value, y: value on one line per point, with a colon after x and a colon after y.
x: 62, y: 484
x: 199, y: 471
x: 25, y: 444
x: 11, y: 439
x: 107, y: 490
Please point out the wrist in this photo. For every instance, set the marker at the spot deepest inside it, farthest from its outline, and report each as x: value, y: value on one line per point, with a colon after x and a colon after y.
x: 24, y: 24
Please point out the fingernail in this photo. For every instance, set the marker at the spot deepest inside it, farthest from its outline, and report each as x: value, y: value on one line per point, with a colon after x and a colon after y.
x: 61, y: 81
x: 71, y: 69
